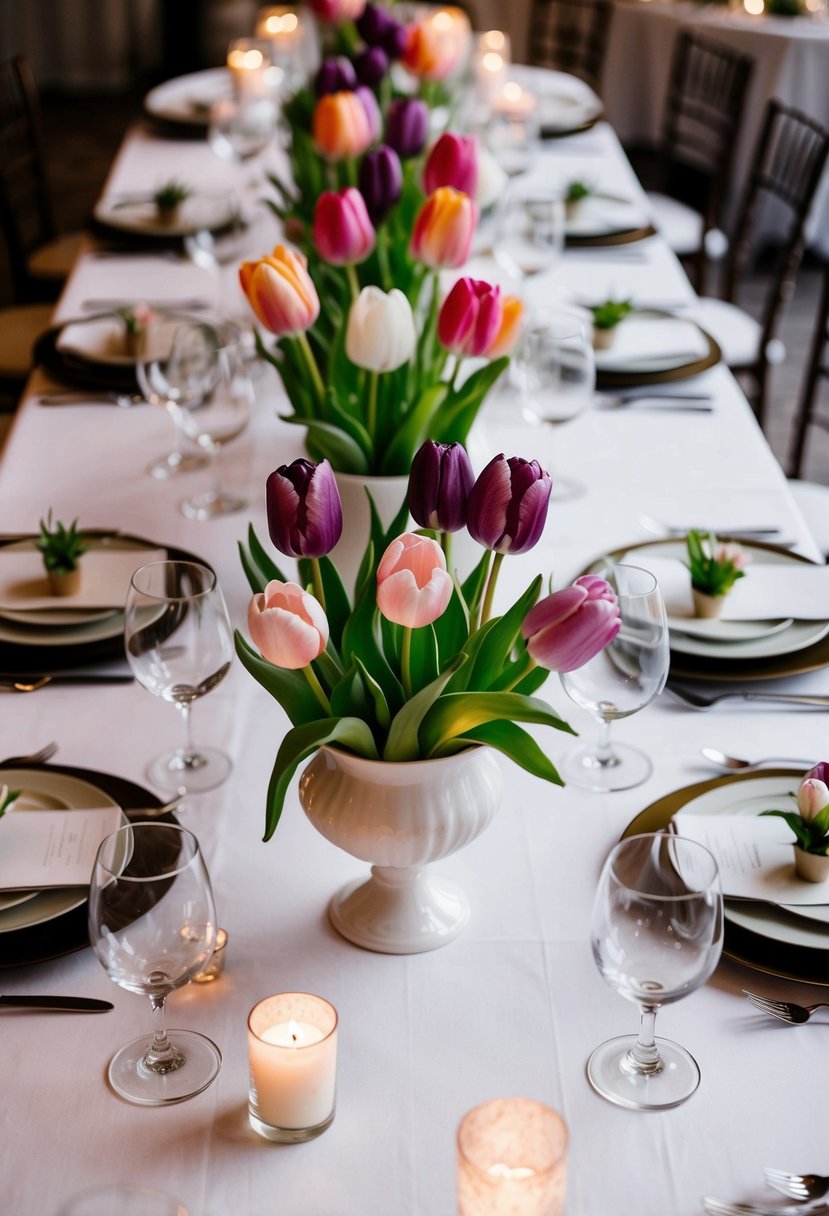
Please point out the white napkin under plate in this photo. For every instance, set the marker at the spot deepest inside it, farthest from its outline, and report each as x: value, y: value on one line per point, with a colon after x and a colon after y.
x: 651, y: 343
x: 105, y: 579
x: 103, y: 340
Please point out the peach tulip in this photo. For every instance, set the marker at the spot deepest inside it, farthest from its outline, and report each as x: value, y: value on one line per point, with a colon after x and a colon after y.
x: 280, y: 291
x: 343, y: 126
x: 413, y: 586
x: 288, y: 625
x: 430, y: 53
x: 443, y: 231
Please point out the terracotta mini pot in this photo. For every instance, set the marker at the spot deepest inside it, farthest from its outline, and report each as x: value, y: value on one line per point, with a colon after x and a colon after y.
x: 64, y: 583
x: 707, y: 606
x: 134, y: 343
x: 811, y: 867
x: 167, y: 216
x: 573, y: 207
x: 603, y: 339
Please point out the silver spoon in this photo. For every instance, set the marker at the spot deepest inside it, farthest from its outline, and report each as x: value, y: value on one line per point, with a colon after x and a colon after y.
x: 735, y: 764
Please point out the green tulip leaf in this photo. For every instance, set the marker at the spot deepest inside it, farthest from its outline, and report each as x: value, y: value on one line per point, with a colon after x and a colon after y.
x: 360, y: 644
x: 352, y: 734
x: 392, y: 635
x: 492, y: 658
x: 251, y: 571
x: 514, y: 742
x: 333, y: 444
x: 423, y: 657
x: 381, y: 707
x: 349, y: 697
x: 802, y: 834
x: 328, y: 668
x: 402, y: 743
x: 820, y: 823
x: 459, y: 412
x: 415, y: 429
x: 455, y: 714
x: 472, y: 588
x: 263, y: 560
x: 289, y: 688
x: 452, y: 629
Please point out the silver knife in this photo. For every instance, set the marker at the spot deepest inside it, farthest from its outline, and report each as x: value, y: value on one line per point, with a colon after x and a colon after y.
x: 190, y: 304
x: 64, y: 1004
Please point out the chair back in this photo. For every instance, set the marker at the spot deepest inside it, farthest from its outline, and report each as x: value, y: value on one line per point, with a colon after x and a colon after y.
x: 571, y: 35
x: 709, y: 83
x: 788, y: 164
x: 817, y: 369
x: 26, y: 214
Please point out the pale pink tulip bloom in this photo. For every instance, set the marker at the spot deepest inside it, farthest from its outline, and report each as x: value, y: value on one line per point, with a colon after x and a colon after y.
x: 730, y: 552
x: 413, y: 586
x: 288, y: 625
x: 570, y: 627
x: 812, y: 797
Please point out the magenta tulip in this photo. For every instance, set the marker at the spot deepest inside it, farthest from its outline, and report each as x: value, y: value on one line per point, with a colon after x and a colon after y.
x: 570, y: 627
x: 413, y: 586
x: 305, y: 515
x: 508, y: 504
x: 453, y: 161
x: 470, y: 317
x: 335, y: 75
x: 287, y: 625
x: 343, y: 232
x: 440, y: 480
x: 820, y: 772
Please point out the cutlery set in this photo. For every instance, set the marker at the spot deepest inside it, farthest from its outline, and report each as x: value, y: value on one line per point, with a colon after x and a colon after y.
x: 17, y: 683
x: 807, y: 1188
x: 702, y: 701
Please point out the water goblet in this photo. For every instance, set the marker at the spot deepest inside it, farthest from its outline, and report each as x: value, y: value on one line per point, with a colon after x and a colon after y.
x: 179, y: 645
x: 163, y: 380
x: 657, y: 934
x: 152, y: 925
x: 529, y: 233
x: 619, y: 681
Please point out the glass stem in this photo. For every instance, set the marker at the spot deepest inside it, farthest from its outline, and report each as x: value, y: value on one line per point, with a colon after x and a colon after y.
x: 184, y: 708
x: 644, y: 1058
x: 604, y: 747
x: 161, y: 1056
x: 216, y: 460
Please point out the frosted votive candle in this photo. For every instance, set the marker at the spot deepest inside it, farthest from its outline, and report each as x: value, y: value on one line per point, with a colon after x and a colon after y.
x: 512, y: 1160
x: 251, y: 68
x: 292, y: 1051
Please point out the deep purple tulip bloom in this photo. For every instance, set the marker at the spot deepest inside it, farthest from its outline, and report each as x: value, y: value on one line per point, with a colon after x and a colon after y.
x: 381, y: 182
x: 407, y: 125
x: 440, y: 482
x: 819, y: 773
x: 508, y: 504
x: 335, y: 76
x: 394, y: 42
x: 305, y: 516
x: 570, y: 627
x: 371, y: 65
x: 378, y: 28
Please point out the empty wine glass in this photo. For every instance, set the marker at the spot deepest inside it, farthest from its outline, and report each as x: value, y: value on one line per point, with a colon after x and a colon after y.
x: 622, y: 679
x: 529, y: 233
x: 179, y: 645
x: 152, y: 925
x: 657, y: 935
x: 158, y: 379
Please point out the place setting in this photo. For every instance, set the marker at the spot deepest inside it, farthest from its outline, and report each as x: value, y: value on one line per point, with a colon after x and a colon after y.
x: 166, y: 214
x: 564, y: 105
x: 594, y: 217
x: 647, y: 346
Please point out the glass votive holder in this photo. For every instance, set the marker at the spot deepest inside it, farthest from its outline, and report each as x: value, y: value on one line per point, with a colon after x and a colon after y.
x: 512, y: 1160
x: 217, y: 960
x: 252, y: 69
x: 292, y: 1051
x: 285, y: 30
x: 492, y: 64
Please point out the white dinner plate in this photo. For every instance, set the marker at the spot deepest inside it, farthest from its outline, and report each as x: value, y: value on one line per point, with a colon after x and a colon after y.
x: 716, y: 630
x: 201, y: 212
x: 187, y: 99
x: 796, y: 636
x: 46, y: 790
x: 45, y: 619
x: 563, y: 102
x: 598, y: 215
x: 648, y: 342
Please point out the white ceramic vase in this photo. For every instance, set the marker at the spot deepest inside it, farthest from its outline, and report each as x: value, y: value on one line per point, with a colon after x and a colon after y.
x: 388, y: 494
x: 400, y: 817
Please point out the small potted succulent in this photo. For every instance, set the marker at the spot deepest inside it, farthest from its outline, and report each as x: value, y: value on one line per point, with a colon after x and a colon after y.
x: 62, y: 548
x: 606, y: 317
x: 137, y: 321
x: 168, y: 198
x: 714, y: 569
x: 577, y: 191
x: 810, y: 824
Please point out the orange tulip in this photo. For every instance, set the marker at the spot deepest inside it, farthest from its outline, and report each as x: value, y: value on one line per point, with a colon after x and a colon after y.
x: 504, y: 340
x: 280, y: 291
x: 430, y: 51
x: 443, y: 230
x: 343, y: 125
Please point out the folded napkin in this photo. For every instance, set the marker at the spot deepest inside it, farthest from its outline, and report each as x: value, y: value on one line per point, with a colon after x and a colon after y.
x: 600, y: 215
x: 52, y: 848
x: 767, y: 592
x: 647, y: 344
x: 106, y: 575
x: 103, y: 340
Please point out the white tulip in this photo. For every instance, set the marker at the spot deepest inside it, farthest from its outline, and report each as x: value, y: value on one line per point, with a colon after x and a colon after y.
x: 381, y: 331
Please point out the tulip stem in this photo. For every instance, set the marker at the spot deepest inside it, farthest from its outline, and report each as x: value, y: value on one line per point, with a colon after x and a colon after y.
x: 316, y: 575
x: 353, y: 281
x: 371, y: 417
x: 311, y: 363
x: 317, y: 688
x: 525, y: 665
x: 490, y: 588
x: 383, y: 260
x: 350, y: 166
x: 456, y: 369
x: 406, y: 662
x: 446, y: 546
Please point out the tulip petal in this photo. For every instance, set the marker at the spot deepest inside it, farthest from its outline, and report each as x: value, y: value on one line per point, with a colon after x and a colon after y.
x: 574, y: 642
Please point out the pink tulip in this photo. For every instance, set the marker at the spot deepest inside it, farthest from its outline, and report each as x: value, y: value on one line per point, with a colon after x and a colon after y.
x: 334, y: 11
x: 812, y: 797
x: 343, y: 232
x: 288, y: 625
x: 453, y: 161
x: 444, y: 228
x: 413, y: 587
x: 570, y: 627
x: 280, y: 291
x: 470, y: 317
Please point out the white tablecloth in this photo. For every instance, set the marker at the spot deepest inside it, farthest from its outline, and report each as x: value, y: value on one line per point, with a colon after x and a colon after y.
x: 515, y: 1005
x: 791, y: 63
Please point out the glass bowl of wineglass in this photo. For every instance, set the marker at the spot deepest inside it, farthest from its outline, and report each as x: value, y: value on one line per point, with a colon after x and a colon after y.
x: 179, y: 645
x: 152, y: 925
x: 657, y: 933
x: 154, y: 353
x: 619, y: 681
x: 528, y: 241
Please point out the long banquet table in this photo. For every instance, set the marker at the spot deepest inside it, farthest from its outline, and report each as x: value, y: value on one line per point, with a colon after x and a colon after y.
x: 515, y: 1005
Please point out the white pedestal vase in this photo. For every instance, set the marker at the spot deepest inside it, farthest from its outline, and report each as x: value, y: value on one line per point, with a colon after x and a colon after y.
x: 400, y: 817
x: 388, y: 494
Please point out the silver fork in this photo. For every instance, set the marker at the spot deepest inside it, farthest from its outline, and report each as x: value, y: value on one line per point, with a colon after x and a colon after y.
x: 719, y: 1207
x: 797, y: 1186
x: 785, y: 1011
x: 699, y: 701
x: 39, y: 757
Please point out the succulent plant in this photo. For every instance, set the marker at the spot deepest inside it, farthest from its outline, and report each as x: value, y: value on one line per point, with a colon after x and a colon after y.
x: 168, y: 196
x: 576, y: 191
x: 608, y: 314
x: 60, y: 546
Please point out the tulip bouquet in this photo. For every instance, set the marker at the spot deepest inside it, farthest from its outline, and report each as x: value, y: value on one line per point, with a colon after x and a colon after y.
x: 374, y: 221
x: 420, y: 667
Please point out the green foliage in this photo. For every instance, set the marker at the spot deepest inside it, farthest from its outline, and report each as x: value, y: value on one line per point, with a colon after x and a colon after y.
x: 7, y: 797
x: 811, y: 835
x: 168, y: 196
x: 711, y: 574
x: 61, y: 546
x: 609, y: 313
x: 577, y: 190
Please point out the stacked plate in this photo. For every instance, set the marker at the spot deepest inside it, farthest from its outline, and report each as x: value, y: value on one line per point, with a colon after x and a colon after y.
x: 185, y: 101
x: 654, y: 347
x: 604, y: 219
x: 138, y: 216
x: 564, y: 104
x: 787, y: 940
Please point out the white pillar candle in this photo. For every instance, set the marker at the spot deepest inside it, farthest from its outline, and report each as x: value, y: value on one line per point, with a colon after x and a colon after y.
x: 513, y: 101
x: 292, y: 1050
x: 251, y: 69
x: 280, y: 26
x: 512, y: 1160
x: 492, y: 63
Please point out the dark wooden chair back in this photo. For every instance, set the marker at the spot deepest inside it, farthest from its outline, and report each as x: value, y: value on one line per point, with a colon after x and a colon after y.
x: 809, y: 408
x: 571, y: 35
x: 26, y: 216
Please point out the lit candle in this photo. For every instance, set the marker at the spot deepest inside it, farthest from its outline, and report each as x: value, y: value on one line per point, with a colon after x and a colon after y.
x: 754, y: 8
x: 217, y: 960
x: 280, y: 26
x: 492, y: 62
x: 251, y: 69
x: 292, y: 1051
x: 452, y: 24
x: 512, y: 1160
x: 513, y: 101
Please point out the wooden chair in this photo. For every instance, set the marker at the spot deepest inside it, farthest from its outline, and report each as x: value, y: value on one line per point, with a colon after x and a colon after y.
x: 789, y: 161
x: 39, y: 258
x: 813, y: 499
x: 571, y: 35
x: 709, y: 83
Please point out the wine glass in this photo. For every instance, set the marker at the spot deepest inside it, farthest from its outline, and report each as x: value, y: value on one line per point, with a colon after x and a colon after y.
x: 557, y: 372
x: 160, y: 386
x: 209, y: 358
x: 657, y: 935
x: 179, y: 645
x: 622, y: 679
x: 529, y: 233
x: 152, y: 925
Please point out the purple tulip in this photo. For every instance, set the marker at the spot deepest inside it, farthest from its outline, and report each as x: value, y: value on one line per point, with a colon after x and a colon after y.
x: 335, y: 76
x: 394, y: 43
x: 440, y: 481
x: 378, y: 28
x: 305, y: 516
x: 570, y: 627
x: 819, y: 773
x: 371, y: 65
x: 508, y: 504
x: 369, y: 104
x: 381, y: 182
x: 407, y: 125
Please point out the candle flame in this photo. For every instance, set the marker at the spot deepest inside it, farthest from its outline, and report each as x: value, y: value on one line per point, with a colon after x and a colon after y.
x: 755, y: 7
x: 249, y: 60
x: 492, y: 61
x: 285, y: 23
x: 294, y: 1032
